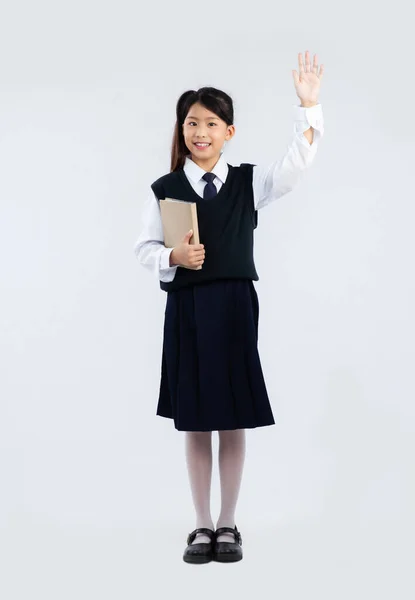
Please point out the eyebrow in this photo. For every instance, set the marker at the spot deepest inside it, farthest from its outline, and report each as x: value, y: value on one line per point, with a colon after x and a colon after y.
x: 207, y: 118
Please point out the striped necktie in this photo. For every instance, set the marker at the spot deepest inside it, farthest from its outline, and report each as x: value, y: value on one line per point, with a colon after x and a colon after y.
x: 209, y: 190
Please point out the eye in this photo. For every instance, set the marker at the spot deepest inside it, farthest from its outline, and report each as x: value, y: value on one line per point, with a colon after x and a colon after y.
x: 211, y: 123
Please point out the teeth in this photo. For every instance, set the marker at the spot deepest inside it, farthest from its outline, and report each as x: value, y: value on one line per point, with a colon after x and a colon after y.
x: 197, y: 144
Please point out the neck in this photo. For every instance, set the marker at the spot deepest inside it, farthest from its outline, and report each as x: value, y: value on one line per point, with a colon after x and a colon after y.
x: 206, y: 165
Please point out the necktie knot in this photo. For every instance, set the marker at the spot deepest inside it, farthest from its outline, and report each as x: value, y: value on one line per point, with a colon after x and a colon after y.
x: 209, y: 177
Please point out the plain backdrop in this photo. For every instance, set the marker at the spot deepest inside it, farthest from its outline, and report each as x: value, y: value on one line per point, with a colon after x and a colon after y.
x: 94, y: 499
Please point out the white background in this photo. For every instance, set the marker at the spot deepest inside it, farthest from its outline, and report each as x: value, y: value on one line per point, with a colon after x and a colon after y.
x: 95, y: 501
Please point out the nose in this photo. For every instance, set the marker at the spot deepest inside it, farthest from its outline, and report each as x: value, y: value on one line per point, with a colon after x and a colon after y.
x: 201, y: 131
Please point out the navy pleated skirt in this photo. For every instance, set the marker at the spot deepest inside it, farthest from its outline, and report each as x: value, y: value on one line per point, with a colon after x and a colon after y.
x: 211, y: 375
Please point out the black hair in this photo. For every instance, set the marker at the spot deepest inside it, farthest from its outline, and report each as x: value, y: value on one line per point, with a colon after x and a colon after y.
x: 217, y: 101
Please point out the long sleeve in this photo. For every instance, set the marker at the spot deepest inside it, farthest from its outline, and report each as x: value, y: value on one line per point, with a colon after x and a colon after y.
x: 149, y: 248
x: 279, y: 178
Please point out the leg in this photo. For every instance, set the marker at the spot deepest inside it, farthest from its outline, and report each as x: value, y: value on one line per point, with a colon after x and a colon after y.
x: 199, y: 464
x: 232, y: 445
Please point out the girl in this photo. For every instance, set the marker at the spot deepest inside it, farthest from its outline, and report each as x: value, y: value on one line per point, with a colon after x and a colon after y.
x: 211, y: 376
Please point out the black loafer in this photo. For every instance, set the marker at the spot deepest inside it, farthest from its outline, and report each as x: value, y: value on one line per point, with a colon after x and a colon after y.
x: 227, y: 551
x: 199, y: 553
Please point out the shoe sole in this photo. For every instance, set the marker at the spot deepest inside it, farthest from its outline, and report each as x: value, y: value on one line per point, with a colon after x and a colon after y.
x: 226, y: 558
x: 197, y: 560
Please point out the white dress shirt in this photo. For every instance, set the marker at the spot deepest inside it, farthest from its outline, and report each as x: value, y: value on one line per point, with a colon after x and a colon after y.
x: 269, y: 183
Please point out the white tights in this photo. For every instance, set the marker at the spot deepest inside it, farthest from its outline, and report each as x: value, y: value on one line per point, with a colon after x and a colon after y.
x: 198, y: 447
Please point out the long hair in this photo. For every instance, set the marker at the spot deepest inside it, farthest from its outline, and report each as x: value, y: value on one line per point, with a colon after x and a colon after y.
x: 211, y: 98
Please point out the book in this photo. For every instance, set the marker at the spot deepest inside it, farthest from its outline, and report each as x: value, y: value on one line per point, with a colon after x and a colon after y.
x: 178, y: 217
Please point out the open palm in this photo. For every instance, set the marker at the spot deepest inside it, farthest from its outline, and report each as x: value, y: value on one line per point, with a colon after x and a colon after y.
x: 307, y: 82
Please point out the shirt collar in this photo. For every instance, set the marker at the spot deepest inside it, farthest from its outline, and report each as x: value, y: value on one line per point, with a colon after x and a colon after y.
x: 195, y: 173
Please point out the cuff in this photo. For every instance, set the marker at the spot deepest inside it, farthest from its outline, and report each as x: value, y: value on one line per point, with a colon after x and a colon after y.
x: 306, y: 117
x: 165, y: 259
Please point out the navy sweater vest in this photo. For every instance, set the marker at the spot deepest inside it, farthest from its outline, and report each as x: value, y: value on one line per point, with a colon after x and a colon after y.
x: 226, y: 226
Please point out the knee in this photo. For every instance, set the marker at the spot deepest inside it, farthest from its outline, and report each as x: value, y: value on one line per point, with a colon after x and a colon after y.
x: 231, y: 436
x: 199, y: 437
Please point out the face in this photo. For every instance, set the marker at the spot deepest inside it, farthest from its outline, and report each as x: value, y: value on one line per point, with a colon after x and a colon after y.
x: 202, y: 125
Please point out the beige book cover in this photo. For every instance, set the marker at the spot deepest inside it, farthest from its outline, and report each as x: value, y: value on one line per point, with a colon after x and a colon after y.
x: 178, y: 217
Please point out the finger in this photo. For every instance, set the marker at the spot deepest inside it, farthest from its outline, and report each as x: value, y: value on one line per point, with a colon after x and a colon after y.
x: 321, y: 71
x: 196, y: 263
x: 307, y: 61
x: 300, y: 63
x: 315, y: 65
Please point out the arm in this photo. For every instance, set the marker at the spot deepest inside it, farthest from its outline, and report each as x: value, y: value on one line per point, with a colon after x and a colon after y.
x: 279, y: 178
x: 149, y: 247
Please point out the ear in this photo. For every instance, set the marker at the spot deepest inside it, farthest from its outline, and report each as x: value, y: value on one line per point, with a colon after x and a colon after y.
x: 230, y: 133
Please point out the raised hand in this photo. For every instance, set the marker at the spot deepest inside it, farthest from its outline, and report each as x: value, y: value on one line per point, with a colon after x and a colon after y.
x: 307, y: 83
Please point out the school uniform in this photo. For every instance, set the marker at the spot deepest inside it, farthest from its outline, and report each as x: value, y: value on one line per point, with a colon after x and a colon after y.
x: 211, y: 373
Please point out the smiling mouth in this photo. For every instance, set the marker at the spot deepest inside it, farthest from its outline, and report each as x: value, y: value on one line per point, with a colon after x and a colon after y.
x: 202, y: 144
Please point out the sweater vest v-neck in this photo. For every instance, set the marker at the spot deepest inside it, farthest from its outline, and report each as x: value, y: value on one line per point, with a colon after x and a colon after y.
x: 226, y: 226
